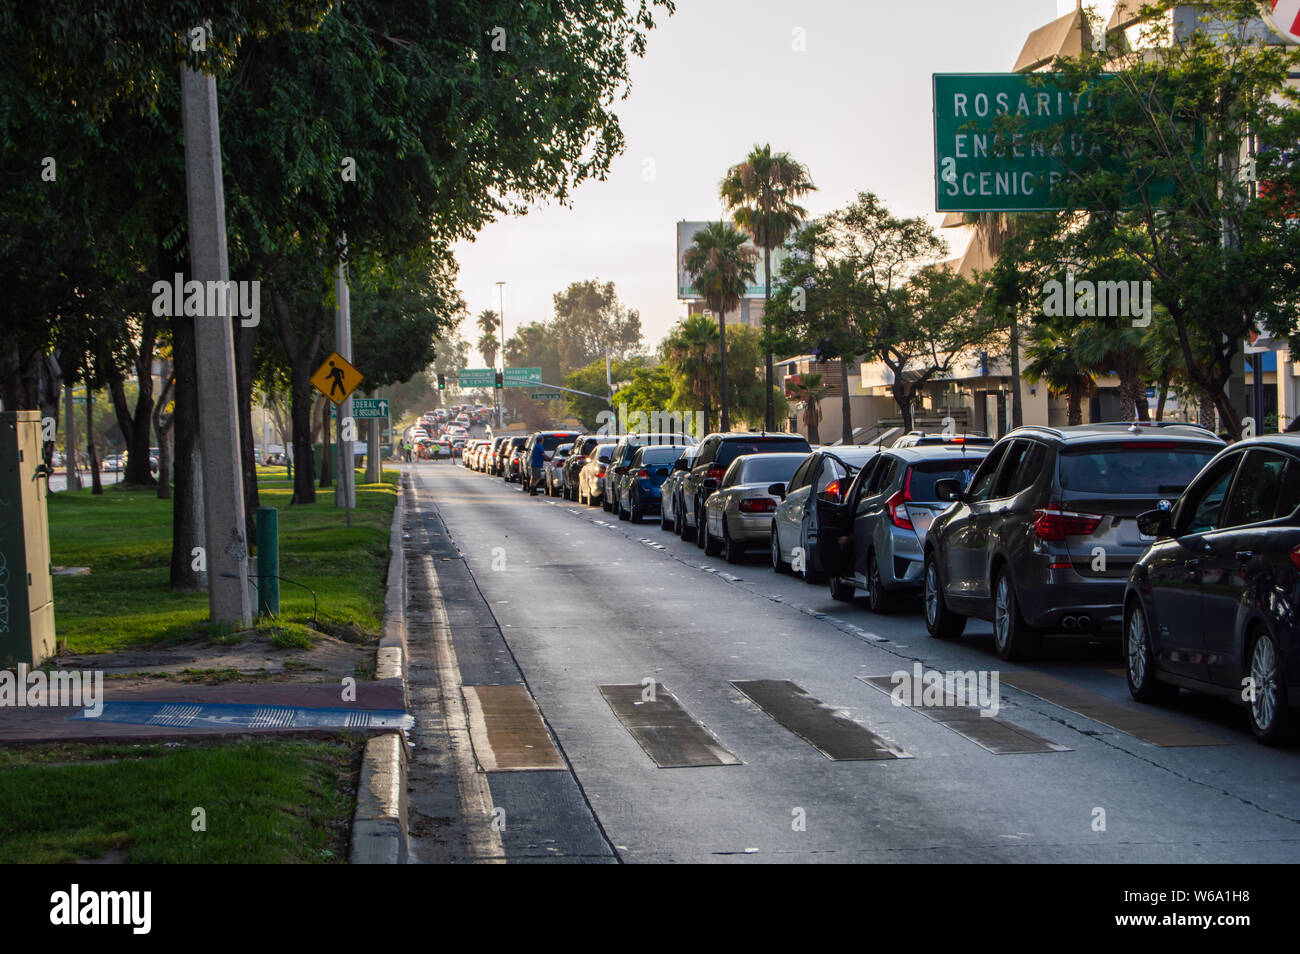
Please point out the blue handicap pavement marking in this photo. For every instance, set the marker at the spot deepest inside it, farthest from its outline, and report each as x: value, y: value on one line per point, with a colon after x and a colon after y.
x: 224, y: 715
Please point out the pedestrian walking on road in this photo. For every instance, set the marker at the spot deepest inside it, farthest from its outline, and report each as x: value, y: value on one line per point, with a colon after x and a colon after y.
x: 535, y: 465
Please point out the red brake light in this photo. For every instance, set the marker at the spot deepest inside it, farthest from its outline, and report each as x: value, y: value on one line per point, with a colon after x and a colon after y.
x: 1053, y: 524
x: 643, y: 473
x: 832, y: 489
x: 1295, y: 558
x: 897, y: 515
x: 907, y: 485
x: 715, y: 472
x: 601, y: 472
x: 757, y: 505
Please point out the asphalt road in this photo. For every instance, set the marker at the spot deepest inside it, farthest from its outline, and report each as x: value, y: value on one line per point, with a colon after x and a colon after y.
x: 582, y: 600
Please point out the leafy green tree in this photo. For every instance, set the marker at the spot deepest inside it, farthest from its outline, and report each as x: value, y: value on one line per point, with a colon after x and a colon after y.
x: 691, y: 352
x: 721, y: 266
x: 590, y: 320
x: 489, y: 344
x: 591, y: 379
x: 761, y: 192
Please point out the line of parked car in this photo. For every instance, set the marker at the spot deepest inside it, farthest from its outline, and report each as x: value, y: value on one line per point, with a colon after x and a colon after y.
x: 1185, y: 548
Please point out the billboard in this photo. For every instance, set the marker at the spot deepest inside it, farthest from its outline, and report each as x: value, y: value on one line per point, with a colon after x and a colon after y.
x: 686, y: 236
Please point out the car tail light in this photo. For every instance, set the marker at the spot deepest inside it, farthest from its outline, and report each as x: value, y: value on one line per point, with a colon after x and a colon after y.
x: 897, y: 514
x: 757, y: 505
x: 714, y: 472
x: 643, y: 473
x: 1055, y: 524
x: 832, y: 489
x: 1295, y: 558
x: 601, y: 471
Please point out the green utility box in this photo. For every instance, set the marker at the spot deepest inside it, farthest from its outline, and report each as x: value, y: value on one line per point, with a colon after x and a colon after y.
x: 26, y: 596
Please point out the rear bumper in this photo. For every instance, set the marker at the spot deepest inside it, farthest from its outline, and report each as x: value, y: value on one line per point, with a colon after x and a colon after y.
x: 750, y: 529
x: 1059, y: 598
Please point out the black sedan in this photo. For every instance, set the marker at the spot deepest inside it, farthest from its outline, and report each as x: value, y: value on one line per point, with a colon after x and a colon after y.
x: 1211, y: 605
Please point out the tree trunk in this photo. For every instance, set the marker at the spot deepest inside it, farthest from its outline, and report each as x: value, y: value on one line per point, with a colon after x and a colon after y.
x: 1163, y: 386
x: 770, y: 412
x: 903, y: 400
x: 300, y: 361
x: 245, y: 339
x: 1205, y: 411
x: 49, y: 405
x: 71, y: 449
x: 134, y: 425
x: 1076, y: 403
x: 722, y: 370
x: 812, y: 417
x: 187, y: 506
x: 1017, y: 403
x: 326, y: 447
x: 162, y: 431
x: 92, y: 458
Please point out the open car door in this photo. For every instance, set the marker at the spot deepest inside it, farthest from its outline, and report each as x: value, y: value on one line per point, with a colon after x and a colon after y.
x: 834, y: 516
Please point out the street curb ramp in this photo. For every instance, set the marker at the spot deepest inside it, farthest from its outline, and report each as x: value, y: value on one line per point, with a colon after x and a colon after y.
x: 379, y: 824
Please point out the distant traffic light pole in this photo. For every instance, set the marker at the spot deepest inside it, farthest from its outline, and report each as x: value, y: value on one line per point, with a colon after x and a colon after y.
x: 501, y: 394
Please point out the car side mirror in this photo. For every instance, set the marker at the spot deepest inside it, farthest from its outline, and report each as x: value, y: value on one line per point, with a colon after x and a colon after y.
x: 948, y: 489
x: 1155, y: 523
x: 680, y: 464
x: 710, y: 483
x: 621, y: 469
x: 777, y: 490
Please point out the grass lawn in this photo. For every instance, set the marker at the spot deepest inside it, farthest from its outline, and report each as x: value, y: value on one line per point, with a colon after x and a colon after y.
x: 266, y: 801
x: 124, y: 537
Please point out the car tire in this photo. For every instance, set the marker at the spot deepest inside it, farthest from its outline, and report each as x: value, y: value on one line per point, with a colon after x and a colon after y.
x: 778, y: 565
x: 1013, y: 638
x: 664, y: 522
x: 679, y: 522
x: 1271, y: 719
x: 1140, y: 668
x: 634, y: 514
x: 732, y: 551
x: 708, y: 543
x: 699, y: 529
x: 879, y: 599
x: 940, y: 621
x: 841, y: 590
x: 622, y: 514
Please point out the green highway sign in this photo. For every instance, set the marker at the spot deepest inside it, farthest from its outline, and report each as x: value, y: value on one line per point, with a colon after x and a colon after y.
x: 477, y: 377
x: 369, y: 407
x: 546, y: 396
x: 522, y: 377
x: 982, y: 165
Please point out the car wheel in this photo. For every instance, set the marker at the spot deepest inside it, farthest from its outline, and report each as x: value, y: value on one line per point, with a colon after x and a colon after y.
x: 622, y: 514
x: 841, y: 590
x: 633, y: 512
x: 708, y: 542
x: 1142, y: 683
x: 731, y: 550
x: 684, y: 529
x: 1013, y: 638
x: 942, y: 622
x: 664, y: 522
x: 699, y: 529
x: 778, y: 565
x: 879, y: 599
x: 1270, y: 714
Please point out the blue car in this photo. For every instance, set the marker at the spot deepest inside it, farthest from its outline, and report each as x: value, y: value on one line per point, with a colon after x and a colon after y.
x: 640, y: 492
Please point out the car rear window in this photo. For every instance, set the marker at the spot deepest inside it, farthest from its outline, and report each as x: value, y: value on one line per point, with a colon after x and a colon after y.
x: 518, y: 441
x: 1132, y: 469
x: 730, y: 450
x: 925, y: 473
x: 552, y: 441
x: 660, y: 455
x: 770, y: 470
x: 605, y: 452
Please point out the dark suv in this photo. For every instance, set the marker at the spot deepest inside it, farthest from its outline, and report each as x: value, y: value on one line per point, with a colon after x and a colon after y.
x: 616, y: 479
x: 1211, y: 605
x: 716, y: 453
x: 1044, y: 536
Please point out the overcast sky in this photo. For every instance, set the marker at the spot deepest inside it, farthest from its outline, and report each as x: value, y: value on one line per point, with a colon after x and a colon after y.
x: 720, y: 76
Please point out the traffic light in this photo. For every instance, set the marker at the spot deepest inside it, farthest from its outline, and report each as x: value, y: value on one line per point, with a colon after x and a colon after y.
x: 500, y: 380
x: 442, y: 382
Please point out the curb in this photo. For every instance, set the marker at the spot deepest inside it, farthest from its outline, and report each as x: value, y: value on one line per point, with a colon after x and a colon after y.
x: 379, y: 824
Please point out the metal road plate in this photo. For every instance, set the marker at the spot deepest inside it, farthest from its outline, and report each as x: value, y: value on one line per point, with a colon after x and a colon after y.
x: 1139, y: 722
x: 993, y: 733
x: 834, y: 735
x: 507, y: 731
x: 665, y: 730
x: 224, y: 715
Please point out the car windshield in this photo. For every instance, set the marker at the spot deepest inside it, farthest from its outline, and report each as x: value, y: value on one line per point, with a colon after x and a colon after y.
x: 730, y: 450
x: 1134, y: 468
x: 769, y: 470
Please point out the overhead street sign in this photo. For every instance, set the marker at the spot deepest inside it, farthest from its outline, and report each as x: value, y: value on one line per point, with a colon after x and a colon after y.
x: 546, y: 396
x: 522, y: 377
x: 978, y: 169
x: 477, y: 377
x: 369, y: 408
x: 336, y: 378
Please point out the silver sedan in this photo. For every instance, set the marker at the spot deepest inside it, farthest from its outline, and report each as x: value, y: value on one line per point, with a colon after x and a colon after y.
x: 738, y: 514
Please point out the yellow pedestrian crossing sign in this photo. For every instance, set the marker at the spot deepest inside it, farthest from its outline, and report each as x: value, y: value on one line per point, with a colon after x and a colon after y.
x: 336, y: 378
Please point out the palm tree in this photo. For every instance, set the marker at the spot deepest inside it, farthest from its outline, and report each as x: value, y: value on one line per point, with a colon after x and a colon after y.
x: 721, y: 267
x: 690, y: 346
x: 809, y: 388
x: 1054, y: 360
x: 489, y: 323
x: 760, y: 192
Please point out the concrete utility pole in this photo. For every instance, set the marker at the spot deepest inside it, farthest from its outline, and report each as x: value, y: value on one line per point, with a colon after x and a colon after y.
x: 223, y: 483
x: 345, y: 493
